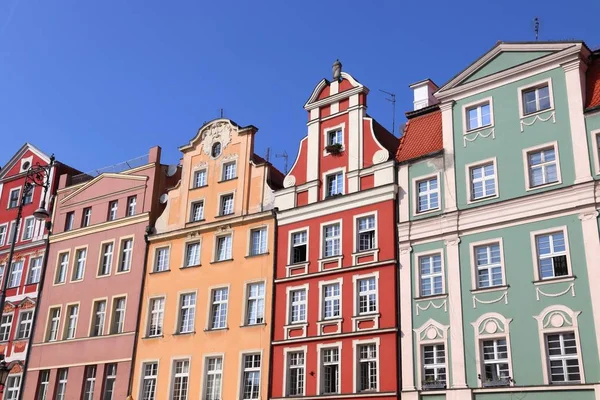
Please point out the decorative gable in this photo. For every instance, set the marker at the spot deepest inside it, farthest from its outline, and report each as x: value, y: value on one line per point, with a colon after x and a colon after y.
x: 97, y: 187
x: 24, y: 158
x: 505, y: 60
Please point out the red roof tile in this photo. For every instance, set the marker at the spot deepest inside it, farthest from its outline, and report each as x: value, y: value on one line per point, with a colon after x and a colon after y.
x: 593, y: 84
x: 422, y: 136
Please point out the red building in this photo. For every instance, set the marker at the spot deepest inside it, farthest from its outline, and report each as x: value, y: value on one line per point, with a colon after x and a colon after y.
x: 335, y: 319
x: 16, y: 323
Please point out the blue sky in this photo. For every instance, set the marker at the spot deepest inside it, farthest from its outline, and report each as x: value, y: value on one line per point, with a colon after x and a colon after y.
x: 99, y: 82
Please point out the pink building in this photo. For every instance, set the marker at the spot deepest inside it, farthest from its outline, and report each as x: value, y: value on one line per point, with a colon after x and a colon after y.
x: 85, y: 328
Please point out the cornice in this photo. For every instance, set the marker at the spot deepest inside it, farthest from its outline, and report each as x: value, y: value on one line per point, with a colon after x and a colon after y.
x: 336, y: 97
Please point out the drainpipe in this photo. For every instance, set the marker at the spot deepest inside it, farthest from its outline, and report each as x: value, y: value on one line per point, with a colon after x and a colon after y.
x: 272, y: 337
x: 397, y: 281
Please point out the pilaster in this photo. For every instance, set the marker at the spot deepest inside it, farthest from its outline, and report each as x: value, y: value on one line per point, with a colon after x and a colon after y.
x: 406, y: 325
x: 448, y: 167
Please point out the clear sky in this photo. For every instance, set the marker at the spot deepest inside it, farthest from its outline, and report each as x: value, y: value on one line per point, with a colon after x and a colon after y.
x: 101, y: 81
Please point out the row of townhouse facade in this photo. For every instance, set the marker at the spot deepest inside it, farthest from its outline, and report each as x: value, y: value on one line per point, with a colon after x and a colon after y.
x: 457, y: 262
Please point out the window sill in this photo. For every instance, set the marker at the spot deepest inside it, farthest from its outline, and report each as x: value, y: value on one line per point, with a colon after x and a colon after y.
x: 332, y: 320
x: 425, y: 212
x: 256, y: 255
x: 331, y: 258
x: 199, y: 187
x: 367, y: 315
x: 490, y: 289
x: 225, y: 215
x: 262, y: 324
x: 333, y: 196
x: 216, y: 329
x: 431, y: 297
x: 184, y: 333
x: 479, y: 128
x: 227, y: 180
x: 153, y: 337
x: 560, y: 279
x: 545, y: 185
x: 190, y: 266
x: 160, y: 272
x: 221, y: 261
x: 196, y: 221
x: 482, y: 199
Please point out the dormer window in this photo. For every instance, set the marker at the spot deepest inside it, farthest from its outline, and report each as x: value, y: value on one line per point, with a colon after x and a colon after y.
x: 335, y: 184
x: 216, y: 150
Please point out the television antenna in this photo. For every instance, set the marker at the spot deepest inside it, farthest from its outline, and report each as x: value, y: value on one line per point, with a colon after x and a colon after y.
x: 536, y: 27
x: 392, y: 99
x: 284, y: 155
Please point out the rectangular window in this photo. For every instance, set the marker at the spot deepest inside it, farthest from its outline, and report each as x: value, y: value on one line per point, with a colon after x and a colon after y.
x: 295, y: 374
x: 149, y: 381
x: 192, y: 254
x: 113, y: 207
x: 187, y: 312
x: 13, y: 385
x: 200, y: 178
x: 118, y: 315
x: 478, y: 116
x: 495, y: 362
x: 63, y: 266
x: 258, y: 241
x: 552, y: 255
x: 367, y: 296
x: 331, y: 240
x: 218, y: 312
x: 126, y: 255
x: 543, y: 168
x: 330, y: 367
x: 16, y: 272
x: 13, y: 200
x: 536, y: 99
x: 11, y: 234
x: 99, y: 318
x: 86, y: 218
x: 162, y: 260
x: 434, y: 365
x: 213, y: 378
x: 5, y: 325
x: 428, y: 195
x: 79, y: 270
x: 131, y: 204
x: 156, y: 315
x: 2, y: 234
x: 334, y: 137
x: 69, y: 219
x: 110, y: 378
x: 25, y: 321
x: 35, y: 270
x: 483, y: 181
x: 43, y: 383
x: 299, y: 247
x: 488, y: 261
x: 226, y: 204
x: 197, y: 211
x: 61, y: 384
x: 181, y: 376
x: 106, y: 260
x: 366, y: 233
x: 28, y: 228
x: 28, y: 195
x: 53, y: 324
x: 335, y: 184
x: 251, y: 378
x: 90, y: 382
x: 297, y: 306
x: 72, y: 315
x: 1, y: 273
x: 562, y: 358
x: 223, y: 248
x: 597, y: 136
x: 331, y: 301
x: 228, y: 171
x: 367, y: 360
x: 431, y: 275
x: 255, y: 304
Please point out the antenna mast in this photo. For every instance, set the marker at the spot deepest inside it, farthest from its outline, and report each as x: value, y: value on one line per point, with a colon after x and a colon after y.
x: 392, y: 99
x: 284, y: 155
x: 536, y: 27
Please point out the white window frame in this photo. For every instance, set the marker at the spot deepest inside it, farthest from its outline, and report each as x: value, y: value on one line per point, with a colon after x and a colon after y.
x: 199, y: 202
x: 286, y: 375
x: 95, y: 314
x: 228, y: 251
x: 50, y: 322
x: 109, y: 255
x: 184, y: 376
x: 206, y: 373
x: 117, y: 315
x: 469, y: 180
x: 595, y: 140
x: 113, y: 210
x: 224, y: 166
x: 534, y: 253
x: 252, y: 369
x: 160, y: 316
x: 43, y: 384
x: 86, y: 219
x: 323, y: 299
x: 533, y: 85
x: 59, y: 265
x: 110, y: 379
x: 341, y: 127
x: 195, y: 176
x: 338, y: 237
x: 152, y: 377
x: 291, y: 245
x: 76, y: 264
x: 491, y: 326
x: 131, y: 205
x: 11, y: 272
x: 27, y: 231
x: 288, y: 312
x: 356, y: 364
x: 248, y: 298
x: 326, y: 175
x: 11, y: 392
x: 88, y: 391
x: 357, y: 231
x: 61, y: 383
x: 71, y: 320
x: 357, y: 293
x: 69, y: 221
x: 430, y: 333
x: 415, y: 197
x: 156, y: 263
x: 477, y: 104
x: 34, y: 273
x: 6, y: 327
x: 9, y: 237
x: 180, y: 307
x: 219, y: 305
x: 10, y: 192
x: 186, y: 258
x: 527, y: 175
x: 263, y: 247
x: 474, y: 267
x: 3, y: 233
x: 125, y: 255
x: 220, y: 205
x: 321, y: 348
x: 417, y: 269
x: 23, y: 321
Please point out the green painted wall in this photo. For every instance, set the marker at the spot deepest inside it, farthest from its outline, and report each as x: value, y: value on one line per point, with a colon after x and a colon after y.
x: 509, y: 141
x: 504, y: 61
x: 547, y: 395
x: 592, y: 123
x: 433, y: 396
x: 420, y: 169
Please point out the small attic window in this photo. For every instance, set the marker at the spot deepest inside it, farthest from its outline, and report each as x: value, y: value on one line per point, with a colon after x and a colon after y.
x: 216, y: 150
x: 25, y: 165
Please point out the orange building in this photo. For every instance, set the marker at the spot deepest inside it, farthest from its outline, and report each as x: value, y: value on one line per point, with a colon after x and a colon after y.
x: 206, y: 309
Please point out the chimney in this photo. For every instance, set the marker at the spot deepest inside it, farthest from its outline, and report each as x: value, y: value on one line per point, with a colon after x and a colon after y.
x: 423, y: 94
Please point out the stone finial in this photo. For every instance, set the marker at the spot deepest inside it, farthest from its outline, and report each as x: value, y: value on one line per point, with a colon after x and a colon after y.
x: 337, y: 70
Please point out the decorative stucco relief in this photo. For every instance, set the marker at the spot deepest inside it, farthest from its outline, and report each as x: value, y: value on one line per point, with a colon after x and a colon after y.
x: 218, y: 132
x: 552, y: 117
x: 503, y: 296
x: 475, y: 135
x: 432, y: 304
x: 570, y: 288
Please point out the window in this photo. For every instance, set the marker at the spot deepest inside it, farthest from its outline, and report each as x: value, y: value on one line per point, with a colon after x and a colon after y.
x: 131, y: 203
x: 483, y: 181
x: 428, y: 195
x: 552, y: 255
x: 118, y: 315
x: 226, y: 204
x: 43, y: 383
x: 13, y: 385
x: 255, y: 304
x: 25, y: 321
x: 2, y: 234
x: 61, y: 385
x: 63, y: 265
x: 251, y: 378
x: 157, y: 314
x: 35, y: 270
x: 53, y: 325
x: 331, y: 301
x: 197, y: 211
x: 366, y: 233
x: 543, y: 167
x: 99, y: 318
x: 295, y: 374
x: 16, y: 272
x: 297, y: 306
x: 5, y: 325
x: 562, y: 357
x: 28, y: 228
x: 488, y: 261
x: 162, y: 260
x: 478, y: 116
x: 1, y: 273
x: 596, y: 136
x: 214, y: 374
x: 113, y: 207
x: 28, y: 195
x: 187, y: 312
x: 90, y: 382
x: 223, y: 248
x: 536, y: 99
x: 434, y: 365
x: 192, y: 254
x: 334, y: 137
x: 331, y: 244
x: 106, y: 260
x: 218, y: 312
x: 258, y: 244
x: 69, y: 219
x: 200, y: 178
x: 330, y: 371
x: 495, y: 362
x: 86, y: 218
x: 79, y: 270
x: 126, y: 254
x: 299, y: 247
x: 13, y: 200
x: 335, y: 184
x: 216, y: 150
x: 72, y: 315
x: 431, y: 275
x: 228, y: 171
x: 110, y: 377
x: 367, y: 295
x: 149, y: 381
x: 181, y: 376
x: 367, y: 360
x: 11, y: 234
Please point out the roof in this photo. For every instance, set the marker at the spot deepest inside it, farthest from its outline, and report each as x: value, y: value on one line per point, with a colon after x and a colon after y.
x: 422, y: 134
x: 385, y: 137
x: 275, y: 176
x: 593, y: 82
